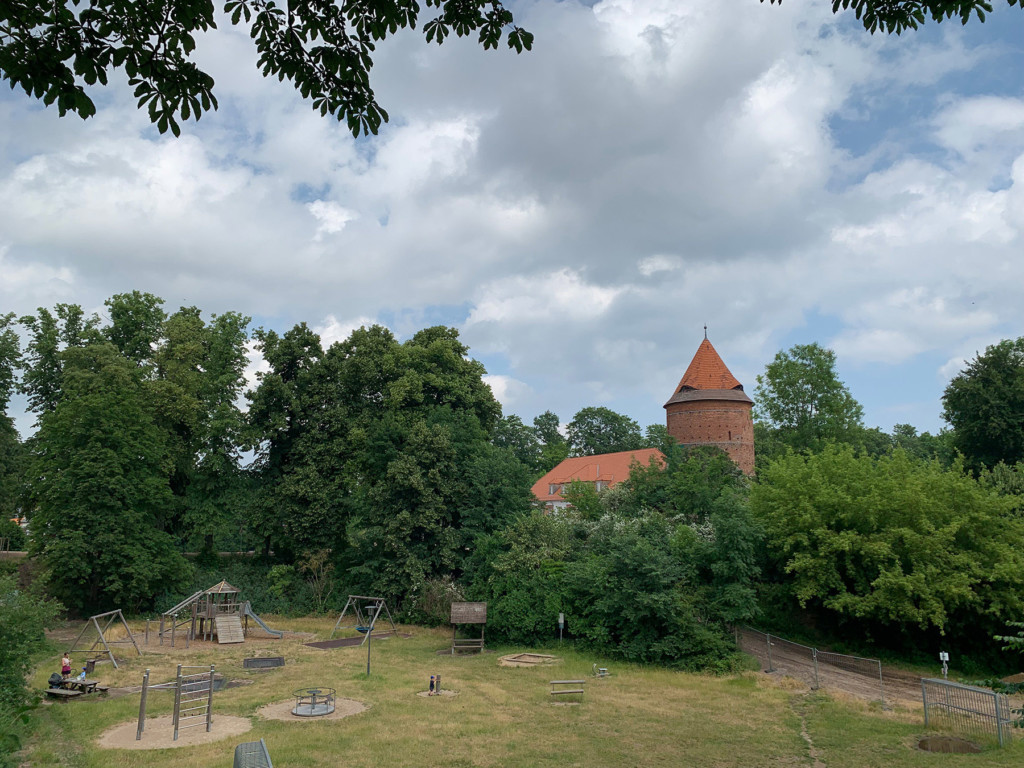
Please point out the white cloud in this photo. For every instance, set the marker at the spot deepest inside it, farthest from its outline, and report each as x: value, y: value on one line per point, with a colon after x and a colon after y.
x: 582, y: 210
x: 332, y: 330
x: 507, y: 390
x: 332, y: 217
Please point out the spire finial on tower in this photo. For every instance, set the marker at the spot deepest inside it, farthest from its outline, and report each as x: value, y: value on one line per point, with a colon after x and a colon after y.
x: 705, y: 331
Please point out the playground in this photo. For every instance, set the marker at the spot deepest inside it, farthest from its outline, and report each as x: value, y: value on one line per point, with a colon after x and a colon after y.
x: 489, y: 715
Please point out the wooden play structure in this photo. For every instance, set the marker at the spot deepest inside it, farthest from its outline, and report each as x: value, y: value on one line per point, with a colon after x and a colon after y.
x: 211, y: 612
x: 366, y: 611
x: 468, y: 613
x: 93, y: 652
x: 193, y: 699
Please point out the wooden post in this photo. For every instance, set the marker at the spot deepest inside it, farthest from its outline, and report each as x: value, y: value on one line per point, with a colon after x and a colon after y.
x: 146, y: 641
x: 177, y: 702
x: 174, y: 626
x: 209, y: 703
x: 129, y: 631
x: 110, y: 653
x: 142, y: 707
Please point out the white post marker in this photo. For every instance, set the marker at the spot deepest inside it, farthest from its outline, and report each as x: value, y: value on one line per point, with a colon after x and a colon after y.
x: 944, y: 658
x: 561, y: 626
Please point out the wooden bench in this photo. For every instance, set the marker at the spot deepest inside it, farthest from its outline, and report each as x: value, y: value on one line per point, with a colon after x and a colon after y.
x: 558, y: 689
x: 473, y: 644
x: 62, y: 693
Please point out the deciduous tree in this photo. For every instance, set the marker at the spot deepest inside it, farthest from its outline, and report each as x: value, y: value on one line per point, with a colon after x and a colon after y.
x: 98, y: 475
x: 596, y: 430
x: 801, y: 397
x: 893, y: 541
x: 985, y: 405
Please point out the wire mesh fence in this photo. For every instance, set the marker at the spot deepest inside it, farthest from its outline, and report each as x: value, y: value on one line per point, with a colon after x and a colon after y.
x: 977, y: 712
x: 819, y: 669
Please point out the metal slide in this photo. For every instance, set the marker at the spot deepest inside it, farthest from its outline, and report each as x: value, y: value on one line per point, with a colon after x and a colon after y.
x: 247, y: 611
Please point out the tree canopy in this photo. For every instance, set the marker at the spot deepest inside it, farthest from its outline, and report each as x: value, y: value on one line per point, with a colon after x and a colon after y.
x: 801, y: 397
x: 900, y: 15
x: 596, y: 430
x: 985, y: 405
x: 893, y: 541
x: 59, y: 52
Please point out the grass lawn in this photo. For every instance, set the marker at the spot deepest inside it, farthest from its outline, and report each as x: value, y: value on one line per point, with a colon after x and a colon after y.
x: 640, y: 716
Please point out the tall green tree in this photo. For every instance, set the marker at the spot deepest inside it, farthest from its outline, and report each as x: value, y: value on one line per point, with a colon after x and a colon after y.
x: 801, y: 398
x: 195, y: 389
x: 596, y: 430
x: 984, y: 403
x: 98, y: 475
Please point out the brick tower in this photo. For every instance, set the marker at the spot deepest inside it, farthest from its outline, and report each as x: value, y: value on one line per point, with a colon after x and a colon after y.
x: 709, y: 407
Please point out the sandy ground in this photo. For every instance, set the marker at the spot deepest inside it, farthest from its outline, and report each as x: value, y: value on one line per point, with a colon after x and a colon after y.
x: 444, y: 692
x: 282, y: 710
x: 527, y: 660
x: 159, y: 733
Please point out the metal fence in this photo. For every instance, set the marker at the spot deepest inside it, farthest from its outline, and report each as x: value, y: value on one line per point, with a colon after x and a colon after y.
x: 966, y: 709
x: 818, y: 668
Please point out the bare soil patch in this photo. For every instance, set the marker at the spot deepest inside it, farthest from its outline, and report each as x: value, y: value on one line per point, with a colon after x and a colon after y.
x: 159, y: 733
x: 900, y: 687
x: 444, y: 692
x: 282, y: 710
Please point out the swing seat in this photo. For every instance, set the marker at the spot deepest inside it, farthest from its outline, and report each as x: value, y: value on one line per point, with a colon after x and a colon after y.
x: 364, y: 630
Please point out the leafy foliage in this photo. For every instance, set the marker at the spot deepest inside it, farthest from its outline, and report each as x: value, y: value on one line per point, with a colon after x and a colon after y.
x: 23, y: 617
x: 59, y: 52
x: 900, y: 15
x: 985, y: 405
x: 801, y: 397
x: 892, y: 540
x: 597, y: 430
x: 98, y: 475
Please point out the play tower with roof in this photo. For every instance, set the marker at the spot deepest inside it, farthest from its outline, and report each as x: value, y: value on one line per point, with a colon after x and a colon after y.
x: 709, y: 407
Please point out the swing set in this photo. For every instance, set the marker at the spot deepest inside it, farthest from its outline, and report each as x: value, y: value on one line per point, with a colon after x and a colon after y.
x: 366, y: 611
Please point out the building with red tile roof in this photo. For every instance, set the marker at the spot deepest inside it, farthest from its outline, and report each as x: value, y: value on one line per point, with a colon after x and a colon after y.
x: 709, y: 407
x: 604, y: 470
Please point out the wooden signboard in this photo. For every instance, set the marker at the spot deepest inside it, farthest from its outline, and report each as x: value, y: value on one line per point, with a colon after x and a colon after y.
x: 469, y: 613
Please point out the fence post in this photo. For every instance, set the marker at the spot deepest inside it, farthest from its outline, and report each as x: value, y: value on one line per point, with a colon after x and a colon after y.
x: 999, y: 718
x: 814, y: 656
x: 924, y: 697
x: 177, y: 701
x: 142, y: 707
x: 881, y: 685
x: 768, y: 640
x: 209, y: 703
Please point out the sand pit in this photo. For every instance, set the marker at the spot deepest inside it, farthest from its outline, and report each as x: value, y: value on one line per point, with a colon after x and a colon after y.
x: 159, y: 733
x: 282, y: 710
x: 527, y: 660
x: 444, y: 692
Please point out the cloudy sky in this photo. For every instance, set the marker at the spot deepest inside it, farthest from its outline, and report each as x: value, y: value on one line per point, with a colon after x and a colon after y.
x: 578, y: 212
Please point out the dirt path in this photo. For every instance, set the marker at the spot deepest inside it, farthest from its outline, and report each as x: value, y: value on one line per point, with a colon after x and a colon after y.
x: 856, y: 677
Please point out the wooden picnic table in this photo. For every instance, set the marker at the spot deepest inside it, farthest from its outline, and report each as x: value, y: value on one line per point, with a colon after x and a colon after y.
x: 84, y: 686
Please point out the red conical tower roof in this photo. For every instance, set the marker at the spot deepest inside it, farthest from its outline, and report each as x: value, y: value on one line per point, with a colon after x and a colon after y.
x: 707, y: 371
